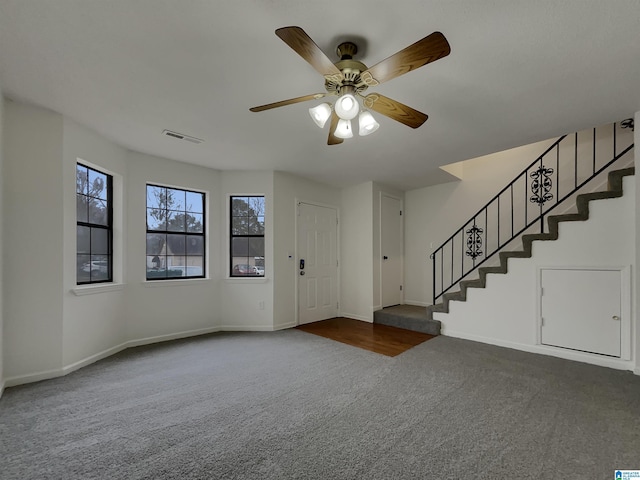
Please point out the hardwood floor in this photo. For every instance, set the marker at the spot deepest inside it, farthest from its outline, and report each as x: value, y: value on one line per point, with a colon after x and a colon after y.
x: 389, y: 341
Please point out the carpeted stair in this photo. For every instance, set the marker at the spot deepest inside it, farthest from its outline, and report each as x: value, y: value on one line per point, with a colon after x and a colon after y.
x: 614, y: 190
x: 421, y: 320
x: 409, y: 317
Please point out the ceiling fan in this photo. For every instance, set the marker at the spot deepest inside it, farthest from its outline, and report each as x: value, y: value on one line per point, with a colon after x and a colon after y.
x: 349, y: 79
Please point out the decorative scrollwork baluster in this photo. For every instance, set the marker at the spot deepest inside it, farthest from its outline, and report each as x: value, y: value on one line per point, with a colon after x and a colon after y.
x: 541, y: 185
x: 474, y: 242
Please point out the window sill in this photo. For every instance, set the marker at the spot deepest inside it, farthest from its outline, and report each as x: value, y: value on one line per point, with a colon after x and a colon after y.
x: 246, y: 280
x: 174, y: 283
x: 99, y: 288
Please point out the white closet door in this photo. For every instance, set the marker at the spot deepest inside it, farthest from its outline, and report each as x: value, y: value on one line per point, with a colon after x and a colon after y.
x: 581, y: 310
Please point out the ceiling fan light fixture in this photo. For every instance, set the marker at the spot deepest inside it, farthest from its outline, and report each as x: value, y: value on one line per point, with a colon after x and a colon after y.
x: 367, y: 124
x: 347, y: 107
x: 320, y: 114
x: 343, y: 130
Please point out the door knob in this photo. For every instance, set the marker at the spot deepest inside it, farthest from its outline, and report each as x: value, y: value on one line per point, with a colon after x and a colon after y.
x: 616, y: 317
x: 385, y: 258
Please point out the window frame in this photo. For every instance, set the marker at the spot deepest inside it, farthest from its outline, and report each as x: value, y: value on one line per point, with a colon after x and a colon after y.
x: 91, y: 225
x: 232, y: 236
x: 185, y: 233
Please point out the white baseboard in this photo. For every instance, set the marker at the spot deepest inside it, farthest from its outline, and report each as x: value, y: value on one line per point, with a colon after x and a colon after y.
x: 246, y: 328
x: 93, y: 358
x: 1, y: 388
x: 545, y: 350
x: 46, y: 375
x: 637, y: 371
x: 284, y: 326
x: 171, y: 336
x: 357, y: 317
x: 416, y: 303
x: 33, y: 377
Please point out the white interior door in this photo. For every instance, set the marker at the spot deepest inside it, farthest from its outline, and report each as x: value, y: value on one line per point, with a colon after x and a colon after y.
x: 317, y: 263
x: 391, y: 250
x: 582, y: 309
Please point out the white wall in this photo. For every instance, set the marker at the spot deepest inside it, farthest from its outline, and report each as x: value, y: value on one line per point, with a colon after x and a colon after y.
x: 505, y: 312
x: 159, y: 310
x: 1, y: 252
x: 356, y: 252
x: 33, y: 240
x: 240, y: 306
x: 289, y: 189
x: 91, y: 323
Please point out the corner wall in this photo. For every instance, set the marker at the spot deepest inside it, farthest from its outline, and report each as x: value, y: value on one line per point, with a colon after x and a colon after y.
x: 91, y: 323
x: 33, y: 241
x: 356, y: 252
x: 157, y: 311
x: 240, y: 308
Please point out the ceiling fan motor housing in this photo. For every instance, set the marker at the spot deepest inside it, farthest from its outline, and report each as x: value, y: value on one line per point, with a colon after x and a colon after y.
x: 349, y: 81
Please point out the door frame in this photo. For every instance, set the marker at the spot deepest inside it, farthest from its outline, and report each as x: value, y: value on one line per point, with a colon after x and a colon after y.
x: 297, y: 202
x: 625, y: 305
x: 389, y: 195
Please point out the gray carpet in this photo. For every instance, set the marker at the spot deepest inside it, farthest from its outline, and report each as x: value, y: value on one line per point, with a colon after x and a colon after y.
x: 291, y: 405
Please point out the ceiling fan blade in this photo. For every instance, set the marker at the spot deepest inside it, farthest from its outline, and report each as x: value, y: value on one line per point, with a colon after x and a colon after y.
x: 395, y: 110
x: 291, y: 101
x: 427, y: 50
x: 333, y: 140
x: 297, y: 39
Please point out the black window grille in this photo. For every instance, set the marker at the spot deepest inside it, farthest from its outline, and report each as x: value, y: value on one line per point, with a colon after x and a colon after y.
x: 175, y: 233
x: 247, y: 236
x: 94, y: 230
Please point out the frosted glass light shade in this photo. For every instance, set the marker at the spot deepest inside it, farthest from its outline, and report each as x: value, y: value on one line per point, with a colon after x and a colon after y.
x: 367, y: 124
x: 320, y: 114
x: 347, y: 107
x: 343, y: 130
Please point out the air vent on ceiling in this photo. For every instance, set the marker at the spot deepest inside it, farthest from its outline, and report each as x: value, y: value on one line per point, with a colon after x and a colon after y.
x: 181, y: 136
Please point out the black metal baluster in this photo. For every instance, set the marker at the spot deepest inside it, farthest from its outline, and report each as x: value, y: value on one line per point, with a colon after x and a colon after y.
x: 575, y: 162
x: 539, y: 193
x: 486, y: 231
x: 512, y: 210
x: 557, y: 172
x: 614, y: 140
x: 594, y: 151
x: 498, y: 222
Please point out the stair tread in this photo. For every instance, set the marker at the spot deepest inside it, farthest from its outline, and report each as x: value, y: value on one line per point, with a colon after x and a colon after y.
x: 409, y: 317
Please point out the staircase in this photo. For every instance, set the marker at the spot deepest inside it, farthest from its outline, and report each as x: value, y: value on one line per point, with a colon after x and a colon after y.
x: 478, y: 247
x: 614, y: 190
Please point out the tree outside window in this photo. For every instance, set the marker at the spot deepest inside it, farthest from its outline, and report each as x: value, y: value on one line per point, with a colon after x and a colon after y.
x: 247, y: 236
x: 94, y: 229
x: 175, y: 233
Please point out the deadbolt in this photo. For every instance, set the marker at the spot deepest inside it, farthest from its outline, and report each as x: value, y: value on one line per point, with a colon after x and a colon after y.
x: 616, y: 317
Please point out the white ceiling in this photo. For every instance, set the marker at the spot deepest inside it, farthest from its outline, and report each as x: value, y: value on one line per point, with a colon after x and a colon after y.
x: 519, y: 71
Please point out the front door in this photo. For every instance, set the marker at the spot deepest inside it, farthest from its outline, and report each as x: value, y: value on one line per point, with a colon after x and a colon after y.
x: 317, y: 263
x: 391, y: 250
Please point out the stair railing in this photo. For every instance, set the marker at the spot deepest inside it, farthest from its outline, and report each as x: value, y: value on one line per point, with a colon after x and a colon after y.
x: 565, y: 167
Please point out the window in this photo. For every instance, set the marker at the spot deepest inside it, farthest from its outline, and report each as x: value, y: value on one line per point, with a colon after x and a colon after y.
x: 94, y: 230
x: 175, y: 233
x: 247, y: 236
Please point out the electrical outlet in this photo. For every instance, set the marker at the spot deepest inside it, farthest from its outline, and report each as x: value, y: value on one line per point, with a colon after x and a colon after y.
x: 260, y: 305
